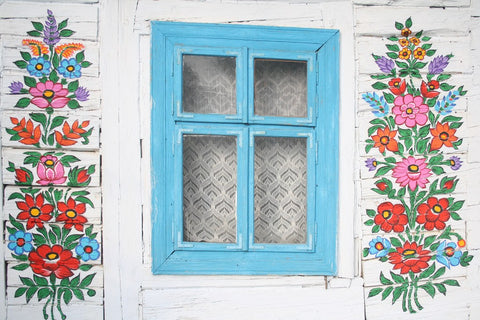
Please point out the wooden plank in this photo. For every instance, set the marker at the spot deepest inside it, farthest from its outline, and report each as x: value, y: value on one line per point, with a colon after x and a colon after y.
x: 74, y: 311
x: 92, y: 214
x: 73, y: 168
x: 88, y: 121
x: 414, y: 3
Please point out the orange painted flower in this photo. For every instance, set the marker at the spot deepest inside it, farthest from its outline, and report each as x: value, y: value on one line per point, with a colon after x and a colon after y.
x: 385, y: 139
x: 72, y: 214
x: 404, y: 53
x: 415, y: 41
x: 37, y: 47
x: 406, y: 32
x: 29, y: 134
x: 443, y: 135
x: 419, y: 53
x: 403, y: 42
x: 34, y: 211
x: 70, y: 134
x: 67, y: 50
x: 410, y: 257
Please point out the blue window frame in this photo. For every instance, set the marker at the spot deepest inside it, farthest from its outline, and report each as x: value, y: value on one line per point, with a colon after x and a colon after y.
x: 244, y: 149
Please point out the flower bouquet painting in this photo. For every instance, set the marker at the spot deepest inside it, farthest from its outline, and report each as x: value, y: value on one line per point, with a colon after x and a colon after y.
x: 413, y: 126
x: 52, y: 244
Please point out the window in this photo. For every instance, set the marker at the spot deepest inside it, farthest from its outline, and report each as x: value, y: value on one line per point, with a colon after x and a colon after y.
x: 244, y: 149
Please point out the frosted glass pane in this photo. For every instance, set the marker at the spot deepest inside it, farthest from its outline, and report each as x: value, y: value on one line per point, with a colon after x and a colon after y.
x: 209, y: 188
x: 280, y: 88
x: 280, y: 192
x: 209, y: 84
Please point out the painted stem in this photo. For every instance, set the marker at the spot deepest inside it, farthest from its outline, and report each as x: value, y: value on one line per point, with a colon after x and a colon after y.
x: 53, y: 301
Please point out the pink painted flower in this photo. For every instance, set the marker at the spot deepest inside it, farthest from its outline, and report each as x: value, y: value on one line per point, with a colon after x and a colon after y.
x: 412, y: 172
x: 50, y: 171
x: 49, y: 94
x: 410, y: 110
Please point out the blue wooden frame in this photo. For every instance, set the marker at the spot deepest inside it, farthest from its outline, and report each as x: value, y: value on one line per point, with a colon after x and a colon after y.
x: 319, y: 47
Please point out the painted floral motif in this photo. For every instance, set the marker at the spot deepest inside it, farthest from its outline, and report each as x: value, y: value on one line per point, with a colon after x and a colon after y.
x: 49, y: 232
x: 411, y: 170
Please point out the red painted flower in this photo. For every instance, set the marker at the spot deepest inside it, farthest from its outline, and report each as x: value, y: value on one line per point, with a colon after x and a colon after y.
x: 47, y: 260
x: 410, y: 257
x: 433, y: 214
x: 385, y: 139
x: 34, y: 211
x: 382, y: 186
x: 448, y: 184
x: 397, y: 86
x: 72, y: 214
x: 83, y: 176
x: 21, y: 175
x: 390, y: 217
x: 428, y: 89
x: 443, y: 135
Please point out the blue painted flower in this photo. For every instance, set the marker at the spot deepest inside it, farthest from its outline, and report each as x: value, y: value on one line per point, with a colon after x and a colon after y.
x: 447, y: 255
x: 20, y: 242
x: 446, y: 105
x: 378, y: 103
x: 70, y: 68
x: 38, y: 67
x: 379, y: 247
x: 87, y: 249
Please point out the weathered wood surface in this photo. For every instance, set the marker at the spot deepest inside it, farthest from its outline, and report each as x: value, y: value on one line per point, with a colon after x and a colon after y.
x: 17, y: 157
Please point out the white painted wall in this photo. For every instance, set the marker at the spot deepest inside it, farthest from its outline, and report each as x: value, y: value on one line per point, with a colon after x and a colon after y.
x: 123, y: 42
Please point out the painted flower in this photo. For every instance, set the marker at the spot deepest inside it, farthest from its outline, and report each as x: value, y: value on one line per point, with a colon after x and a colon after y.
x: 385, y: 139
x: 448, y: 184
x: 455, y: 163
x: 50, y: 171
x: 49, y: 94
x: 412, y: 172
x: 447, y: 255
x: 72, y: 214
x: 38, y: 67
x: 82, y: 94
x: 16, y: 87
x: 397, y: 86
x: 410, y: 110
x: 415, y: 41
x: 386, y: 65
x: 433, y: 214
x: 438, y: 64
x: 403, y: 42
x: 71, y: 133
x: 70, y: 68
x: 428, y: 89
x: 443, y: 135
x: 57, y: 260
x: 382, y: 186
x: 406, y: 32
x: 410, y: 257
x: 419, y: 53
x: 83, y: 176
x: 404, y: 53
x: 29, y: 134
x: 391, y: 217
x: 462, y: 243
x: 371, y: 164
x: 20, y: 242
x: 34, y: 211
x: 51, y: 35
x: 22, y: 176
x: 87, y: 249
x: 379, y: 247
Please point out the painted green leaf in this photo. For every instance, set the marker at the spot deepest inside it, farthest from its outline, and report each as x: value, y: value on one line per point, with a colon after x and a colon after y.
x: 73, y: 104
x: 37, y: 25
x: 374, y: 292
x: 29, y: 81
x: 438, y: 170
x: 428, y: 289
x: 371, y: 213
x: 91, y: 292
x: 21, y: 64
x: 372, y: 130
x: 392, y: 55
x: 67, y: 296
x: 369, y: 222
x: 86, y: 267
x: 439, y: 272
x: 388, y: 97
x: 20, y: 292
x: 87, y: 280
x: 78, y: 294
x: 408, y: 23
x: 384, y: 280
x: 66, y: 33
x: 21, y: 267
x: 430, y: 53
x: 457, y: 205
x: 57, y: 121
x: 34, y: 33
x: 436, y: 159
x: 22, y: 103
x: 451, y: 282
x: 379, y: 85
x: 53, y: 76
x: 455, y: 216
x: 39, y: 117
x: 443, y: 77
x: 43, y: 293
x: 392, y: 47
x: 397, y: 278
x: 398, y: 25
x: 75, y: 281
x: 446, y: 87
x: 455, y: 125
x: 423, y: 132
x: 395, y: 242
x: 26, y: 55
x: 428, y: 272
x: 397, y: 293
x: 376, y: 228
x: 422, y: 145
x: 30, y: 293
x: 383, y: 170
x: 429, y: 240
x: 62, y: 24
x: 72, y: 86
x: 85, y: 64
x: 386, y: 292
x: 441, y: 288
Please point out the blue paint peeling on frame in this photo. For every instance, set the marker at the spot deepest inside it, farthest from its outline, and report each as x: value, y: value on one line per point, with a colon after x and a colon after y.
x: 319, y: 47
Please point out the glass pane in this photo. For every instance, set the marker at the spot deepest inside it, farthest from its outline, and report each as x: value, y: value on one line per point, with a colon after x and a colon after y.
x: 209, y: 188
x: 280, y: 192
x: 209, y: 84
x: 280, y: 88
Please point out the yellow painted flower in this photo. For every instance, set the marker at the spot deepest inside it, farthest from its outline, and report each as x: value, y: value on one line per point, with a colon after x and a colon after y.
x: 406, y: 32
x: 403, y: 42
x: 415, y: 41
x: 404, y: 54
x: 419, y: 53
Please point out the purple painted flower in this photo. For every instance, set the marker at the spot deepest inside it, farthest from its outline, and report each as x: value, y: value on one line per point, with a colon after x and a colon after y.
x: 371, y: 164
x: 16, y: 87
x: 455, y: 163
x: 82, y: 94
x: 438, y: 64
x: 386, y: 65
x: 50, y: 32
